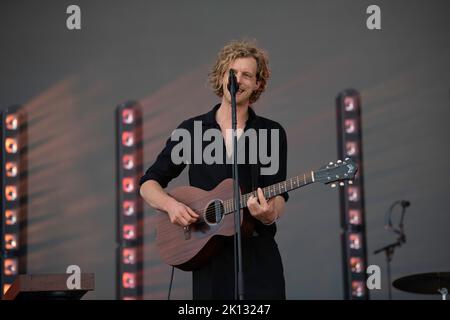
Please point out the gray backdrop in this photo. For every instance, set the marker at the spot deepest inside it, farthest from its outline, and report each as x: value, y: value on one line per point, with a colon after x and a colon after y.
x: 160, y: 52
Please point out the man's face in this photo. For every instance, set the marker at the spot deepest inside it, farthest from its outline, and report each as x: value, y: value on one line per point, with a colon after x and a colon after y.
x: 245, y: 70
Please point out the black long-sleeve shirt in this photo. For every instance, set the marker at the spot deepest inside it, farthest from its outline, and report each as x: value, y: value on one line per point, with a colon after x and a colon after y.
x: 210, y: 282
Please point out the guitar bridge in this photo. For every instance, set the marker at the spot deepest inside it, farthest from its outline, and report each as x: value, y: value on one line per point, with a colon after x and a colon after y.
x: 187, y: 233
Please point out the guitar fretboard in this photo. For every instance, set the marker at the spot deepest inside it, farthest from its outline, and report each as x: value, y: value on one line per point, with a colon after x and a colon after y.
x: 272, y: 191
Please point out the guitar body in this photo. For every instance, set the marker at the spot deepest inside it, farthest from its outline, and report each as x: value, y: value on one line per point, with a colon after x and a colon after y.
x: 187, y: 249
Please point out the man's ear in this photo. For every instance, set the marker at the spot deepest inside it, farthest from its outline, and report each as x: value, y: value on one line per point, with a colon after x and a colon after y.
x: 258, y: 83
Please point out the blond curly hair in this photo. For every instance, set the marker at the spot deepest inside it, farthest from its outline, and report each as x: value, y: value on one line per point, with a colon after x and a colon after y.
x: 240, y: 49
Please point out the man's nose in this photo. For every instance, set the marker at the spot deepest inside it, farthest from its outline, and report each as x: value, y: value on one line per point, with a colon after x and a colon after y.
x: 238, y: 78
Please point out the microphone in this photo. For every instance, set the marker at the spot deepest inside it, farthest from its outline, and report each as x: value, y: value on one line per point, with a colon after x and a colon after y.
x: 405, y: 203
x: 232, y: 82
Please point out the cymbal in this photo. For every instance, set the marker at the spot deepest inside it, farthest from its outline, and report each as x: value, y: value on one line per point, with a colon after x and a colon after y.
x: 425, y: 283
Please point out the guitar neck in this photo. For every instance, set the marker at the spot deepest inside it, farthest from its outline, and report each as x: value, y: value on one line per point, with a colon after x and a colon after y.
x: 273, y: 190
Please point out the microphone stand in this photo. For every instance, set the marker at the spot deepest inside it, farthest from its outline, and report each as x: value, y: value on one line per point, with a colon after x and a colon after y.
x: 238, y: 268
x: 389, y: 251
x: 390, y: 248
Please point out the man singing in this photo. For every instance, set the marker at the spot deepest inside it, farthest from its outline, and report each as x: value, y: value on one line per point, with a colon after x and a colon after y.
x: 262, y: 265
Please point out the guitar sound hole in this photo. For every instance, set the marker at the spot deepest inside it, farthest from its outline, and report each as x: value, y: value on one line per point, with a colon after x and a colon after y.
x: 214, y: 212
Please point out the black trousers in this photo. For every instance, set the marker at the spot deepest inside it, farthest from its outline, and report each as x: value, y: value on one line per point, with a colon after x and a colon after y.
x: 263, y: 271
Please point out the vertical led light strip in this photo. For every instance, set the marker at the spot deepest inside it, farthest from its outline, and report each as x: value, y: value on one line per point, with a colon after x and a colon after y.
x: 14, y: 195
x: 353, y: 230
x: 129, y: 163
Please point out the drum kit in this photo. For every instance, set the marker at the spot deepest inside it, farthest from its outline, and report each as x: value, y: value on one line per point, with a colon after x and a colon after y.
x: 425, y: 283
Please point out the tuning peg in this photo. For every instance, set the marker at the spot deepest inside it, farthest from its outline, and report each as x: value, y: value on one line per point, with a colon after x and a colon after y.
x: 330, y: 164
x: 333, y: 185
x: 341, y: 184
x: 339, y: 161
x: 346, y: 159
x: 350, y: 181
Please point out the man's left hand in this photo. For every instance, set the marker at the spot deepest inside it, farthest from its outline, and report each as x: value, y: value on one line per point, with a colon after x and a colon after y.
x: 263, y: 210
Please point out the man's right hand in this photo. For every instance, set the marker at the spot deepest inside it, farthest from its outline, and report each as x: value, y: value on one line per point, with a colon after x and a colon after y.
x: 181, y: 214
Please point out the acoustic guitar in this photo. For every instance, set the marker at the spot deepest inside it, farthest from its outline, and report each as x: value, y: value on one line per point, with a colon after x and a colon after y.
x: 188, y: 248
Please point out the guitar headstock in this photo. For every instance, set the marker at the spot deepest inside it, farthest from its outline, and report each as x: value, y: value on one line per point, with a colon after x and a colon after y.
x: 336, y: 172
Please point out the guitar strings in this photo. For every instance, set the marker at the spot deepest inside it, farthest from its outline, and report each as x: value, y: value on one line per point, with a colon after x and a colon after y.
x: 210, y: 212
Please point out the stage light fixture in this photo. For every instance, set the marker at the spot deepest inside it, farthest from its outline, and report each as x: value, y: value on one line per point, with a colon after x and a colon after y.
x: 6, y: 287
x: 128, y: 185
x: 10, y: 267
x: 351, y: 148
x: 356, y: 265
x: 358, y: 289
x: 350, y: 103
x: 11, y: 241
x: 13, y: 198
x: 351, y: 196
x: 127, y: 116
x: 128, y: 139
x: 11, y: 193
x: 128, y: 161
x: 12, y: 122
x: 129, y: 280
x: 129, y: 232
x: 355, y: 217
x: 350, y: 126
x: 129, y: 255
x: 355, y: 241
x: 11, y: 145
x: 10, y: 217
x: 129, y: 208
x: 11, y: 169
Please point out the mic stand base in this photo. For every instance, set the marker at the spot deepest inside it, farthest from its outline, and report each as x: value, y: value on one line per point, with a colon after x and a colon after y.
x: 389, y: 251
